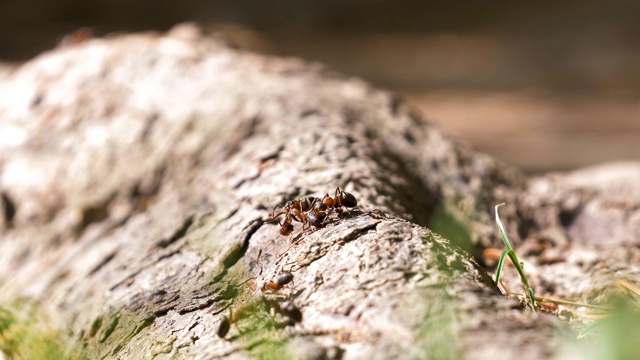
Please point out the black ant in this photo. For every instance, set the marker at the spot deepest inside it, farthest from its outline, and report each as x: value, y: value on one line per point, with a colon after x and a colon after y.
x: 312, y: 211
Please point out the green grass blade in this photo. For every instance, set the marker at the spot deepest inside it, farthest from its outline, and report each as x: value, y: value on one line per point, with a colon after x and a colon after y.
x: 500, y: 266
x: 503, y: 234
x: 523, y: 278
x: 514, y: 259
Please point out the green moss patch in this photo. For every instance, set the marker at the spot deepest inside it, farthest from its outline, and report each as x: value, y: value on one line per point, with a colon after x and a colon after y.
x: 24, y: 336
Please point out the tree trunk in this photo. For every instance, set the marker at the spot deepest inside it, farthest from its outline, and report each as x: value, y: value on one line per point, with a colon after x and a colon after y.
x: 138, y: 176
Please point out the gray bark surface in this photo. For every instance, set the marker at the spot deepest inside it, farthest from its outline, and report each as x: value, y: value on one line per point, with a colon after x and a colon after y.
x: 138, y: 174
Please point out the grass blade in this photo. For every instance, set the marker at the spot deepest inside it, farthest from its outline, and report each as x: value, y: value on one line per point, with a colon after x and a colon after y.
x: 514, y: 259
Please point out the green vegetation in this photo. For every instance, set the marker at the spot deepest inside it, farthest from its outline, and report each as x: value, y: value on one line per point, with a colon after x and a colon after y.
x: 256, y: 328
x: 439, y: 327
x: 262, y: 334
x: 614, y: 337
x: 451, y: 228
x: 514, y: 259
x: 437, y: 330
x: 23, y: 337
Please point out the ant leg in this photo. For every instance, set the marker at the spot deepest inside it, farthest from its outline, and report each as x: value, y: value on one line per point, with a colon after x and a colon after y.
x: 233, y: 318
x: 274, y: 217
x: 324, y: 221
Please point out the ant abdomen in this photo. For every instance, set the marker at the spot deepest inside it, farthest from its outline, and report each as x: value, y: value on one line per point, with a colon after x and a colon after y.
x: 348, y: 200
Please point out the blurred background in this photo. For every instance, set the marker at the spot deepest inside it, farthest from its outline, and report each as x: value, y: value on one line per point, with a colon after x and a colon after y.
x: 543, y: 85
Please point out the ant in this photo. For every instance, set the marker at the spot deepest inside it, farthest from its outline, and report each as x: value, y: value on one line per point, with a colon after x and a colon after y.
x: 286, y: 308
x: 223, y: 327
x: 313, y: 211
x: 283, y: 279
x: 294, y: 210
x: 340, y: 199
x: 318, y: 214
x: 225, y: 324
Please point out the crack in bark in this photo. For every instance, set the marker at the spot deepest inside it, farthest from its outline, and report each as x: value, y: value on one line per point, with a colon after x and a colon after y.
x: 236, y: 252
x: 148, y: 263
x: 178, y: 234
x: 8, y: 208
x: 244, y: 130
x: 194, y: 307
x: 102, y: 263
x: 145, y: 323
x: 155, y: 257
x: 109, y: 329
x: 94, y: 214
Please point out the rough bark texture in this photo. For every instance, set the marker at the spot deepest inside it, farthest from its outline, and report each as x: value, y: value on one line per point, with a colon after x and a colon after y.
x: 138, y: 174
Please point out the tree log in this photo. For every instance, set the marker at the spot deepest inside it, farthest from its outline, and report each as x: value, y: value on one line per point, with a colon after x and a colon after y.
x: 138, y: 174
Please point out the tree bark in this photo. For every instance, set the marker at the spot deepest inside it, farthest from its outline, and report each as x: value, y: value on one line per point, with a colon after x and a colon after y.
x: 138, y: 174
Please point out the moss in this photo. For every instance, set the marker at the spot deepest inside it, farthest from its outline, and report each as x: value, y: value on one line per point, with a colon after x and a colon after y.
x: 110, y: 333
x: 438, y: 328
x: 257, y: 328
x: 23, y: 335
x: 450, y: 227
x: 262, y: 334
x: 616, y: 337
